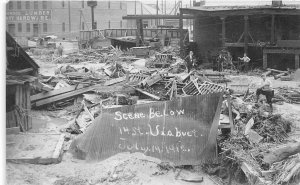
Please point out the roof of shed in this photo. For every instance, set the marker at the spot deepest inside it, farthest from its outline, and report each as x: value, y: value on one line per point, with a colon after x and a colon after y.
x: 267, y: 9
x: 17, y: 58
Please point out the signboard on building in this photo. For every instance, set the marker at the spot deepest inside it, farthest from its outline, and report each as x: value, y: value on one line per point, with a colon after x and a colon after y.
x: 29, y: 15
x: 182, y: 131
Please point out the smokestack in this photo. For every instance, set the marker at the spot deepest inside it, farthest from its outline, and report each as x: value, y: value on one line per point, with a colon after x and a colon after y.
x: 276, y: 3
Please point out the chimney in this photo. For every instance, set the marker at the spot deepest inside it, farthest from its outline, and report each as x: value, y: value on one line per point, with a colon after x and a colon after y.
x: 276, y: 3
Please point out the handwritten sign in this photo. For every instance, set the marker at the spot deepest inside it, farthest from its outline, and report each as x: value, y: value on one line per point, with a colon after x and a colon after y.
x: 182, y: 131
x: 29, y: 15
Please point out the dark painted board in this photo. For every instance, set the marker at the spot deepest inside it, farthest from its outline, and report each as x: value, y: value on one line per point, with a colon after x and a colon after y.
x: 182, y: 131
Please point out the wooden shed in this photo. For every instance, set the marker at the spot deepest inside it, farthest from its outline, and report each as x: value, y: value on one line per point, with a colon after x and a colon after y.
x: 21, y: 72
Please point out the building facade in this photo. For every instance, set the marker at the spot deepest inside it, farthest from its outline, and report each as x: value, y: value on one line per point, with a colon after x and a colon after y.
x: 61, y: 18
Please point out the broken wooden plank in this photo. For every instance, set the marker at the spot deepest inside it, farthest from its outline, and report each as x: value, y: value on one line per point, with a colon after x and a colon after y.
x: 64, y: 96
x: 115, y: 80
x: 49, y: 94
x: 148, y: 94
x: 57, y: 154
x: 277, y: 71
x: 87, y: 110
x: 248, y: 126
x: 254, y: 137
x: 282, y: 153
x: 251, y: 174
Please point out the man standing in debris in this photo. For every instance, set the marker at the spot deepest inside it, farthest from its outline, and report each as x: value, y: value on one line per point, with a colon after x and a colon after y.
x: 60, y: 49
x: 265, y: 88
x: 245, y: 60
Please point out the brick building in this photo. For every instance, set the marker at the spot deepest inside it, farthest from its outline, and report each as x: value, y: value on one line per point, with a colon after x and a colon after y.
x: 61, y: 18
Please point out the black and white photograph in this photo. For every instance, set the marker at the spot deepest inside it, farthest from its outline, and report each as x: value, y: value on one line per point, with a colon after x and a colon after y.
x: 151, y: 92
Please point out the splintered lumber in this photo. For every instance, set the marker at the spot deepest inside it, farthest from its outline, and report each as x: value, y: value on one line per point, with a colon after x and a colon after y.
x: 115, y: 80
x: 64, y: 96
x: 277, y: 71
x: 279, y: 75
x: 282, y: 153
x: 267, y: 73
x: 148, y: 94
x: 49, y: 94
x: 252, y: 174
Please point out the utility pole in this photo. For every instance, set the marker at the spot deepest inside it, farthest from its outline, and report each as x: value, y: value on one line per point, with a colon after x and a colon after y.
x: 69, y: 5
x: 134, y: 7
x: 92, y: 4
x: 156, y: 20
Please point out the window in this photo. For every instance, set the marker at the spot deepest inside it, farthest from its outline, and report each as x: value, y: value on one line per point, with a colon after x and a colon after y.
x: 10, y: 5
x: 82, y: 4
x: 121, y: 24
x: 45, y: 27
x: 19, y: 27
x: 120, y: 5
x: 19, y: 5
x: 44, y: 4
x: 36, y: 5
x: 108, y: 4
x: 63, y: 27
x: 28, y: 27
x: 109, y: 24
x: 27, y: 5
x: 82, y: 25
x: 63, y: 4
x: 12, y: 29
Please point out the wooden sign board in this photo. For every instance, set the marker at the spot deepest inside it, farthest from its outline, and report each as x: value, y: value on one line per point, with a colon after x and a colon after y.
x: 182, y: 131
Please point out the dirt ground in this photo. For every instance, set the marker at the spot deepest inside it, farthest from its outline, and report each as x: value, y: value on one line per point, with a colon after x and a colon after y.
x: 123, y: 168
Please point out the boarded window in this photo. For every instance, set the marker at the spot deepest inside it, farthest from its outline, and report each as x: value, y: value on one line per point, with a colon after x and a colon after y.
x: 63, y: 27
x: 45, y: 29
x: 10, y: 5
x: 27, y: 5
x: 19, y: 5
x: 36, y: 5
x: 44, y: 4
x: 28, y: 27
x: 19, y: 27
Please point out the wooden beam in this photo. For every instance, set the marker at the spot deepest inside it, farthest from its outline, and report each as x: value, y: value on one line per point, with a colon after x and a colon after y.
x: 223, y: 31
x: 181, y: 35
x: 157, y: 17
x: 148, y: 94
x: 246, y: 33
x: 273, y: 29
x: 265, y: 60
x: 286, y: 51
x: 296, y: 61
x: 49, y: 94
x: 64, y: 96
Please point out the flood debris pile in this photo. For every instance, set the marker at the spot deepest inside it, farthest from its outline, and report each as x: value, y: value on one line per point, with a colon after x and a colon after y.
x: 91, y: 80
x: 248, y: 153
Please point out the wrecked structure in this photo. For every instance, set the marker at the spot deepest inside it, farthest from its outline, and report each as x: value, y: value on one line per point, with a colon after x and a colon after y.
x: 21, y: 72
x: 268, y: 34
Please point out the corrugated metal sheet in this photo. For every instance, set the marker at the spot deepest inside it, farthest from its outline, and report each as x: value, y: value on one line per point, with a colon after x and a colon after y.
x: 182, y: 131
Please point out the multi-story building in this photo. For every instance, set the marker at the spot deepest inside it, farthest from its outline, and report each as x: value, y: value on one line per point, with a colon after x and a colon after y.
x: 61, y: 18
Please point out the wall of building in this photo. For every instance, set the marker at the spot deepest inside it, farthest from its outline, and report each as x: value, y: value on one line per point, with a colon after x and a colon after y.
x: 63, y: 21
